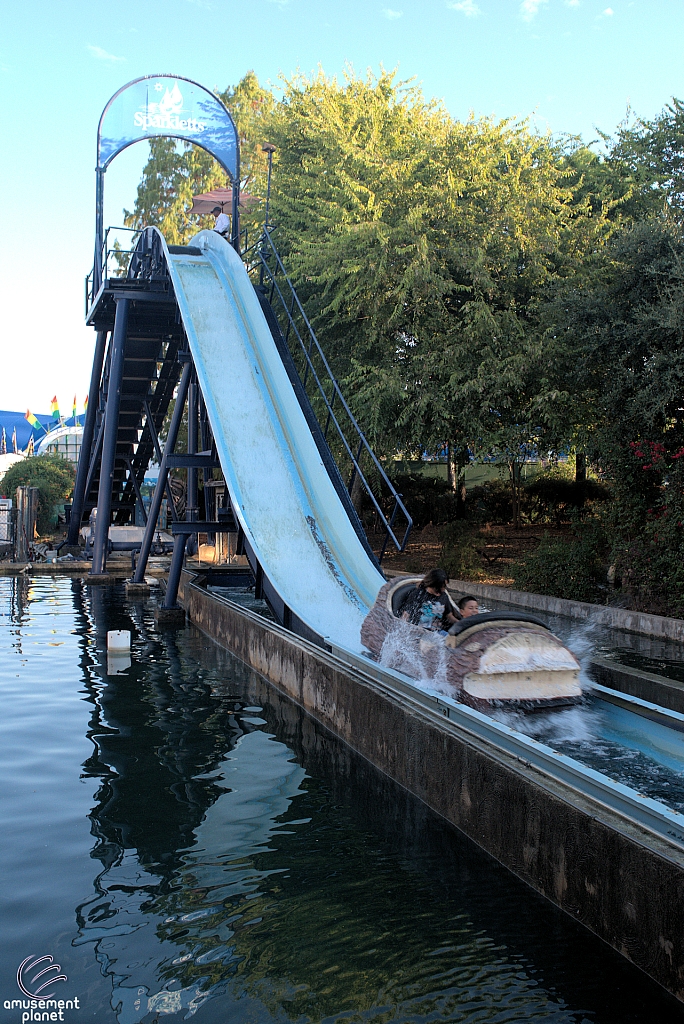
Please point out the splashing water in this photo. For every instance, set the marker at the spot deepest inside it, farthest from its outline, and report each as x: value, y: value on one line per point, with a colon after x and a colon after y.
x: 579, y: 724
x: 592, y: 732
x: 610, y: 740
x: 423, y: 658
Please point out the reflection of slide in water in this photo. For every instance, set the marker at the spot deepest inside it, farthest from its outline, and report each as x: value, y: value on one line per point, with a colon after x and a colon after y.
x: 261, y: 781
x: 280, y: 489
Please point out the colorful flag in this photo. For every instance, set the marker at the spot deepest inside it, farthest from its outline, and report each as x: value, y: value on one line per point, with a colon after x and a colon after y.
x: 3, y: 443
x: 33, y: 420
x: 85, y: 404
x: 14, y: 442
x: 30, y: 447
x: 54, y: 408
x: 73, y: 410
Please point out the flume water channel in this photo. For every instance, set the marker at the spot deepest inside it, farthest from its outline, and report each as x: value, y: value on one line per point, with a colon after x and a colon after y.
x: 628, y: 748
x: 188, y: 844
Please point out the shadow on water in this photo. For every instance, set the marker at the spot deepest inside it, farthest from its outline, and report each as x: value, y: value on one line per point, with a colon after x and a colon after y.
x: 253, y: 868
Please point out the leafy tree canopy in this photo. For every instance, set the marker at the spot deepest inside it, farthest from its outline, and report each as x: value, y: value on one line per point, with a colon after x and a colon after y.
x: 649, y: 157
x: 462, y: 276
x: 51, y: 474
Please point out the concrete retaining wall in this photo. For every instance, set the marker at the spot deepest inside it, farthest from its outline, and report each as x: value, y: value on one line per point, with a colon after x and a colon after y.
x: 669, y: 693
x: 617, y: 879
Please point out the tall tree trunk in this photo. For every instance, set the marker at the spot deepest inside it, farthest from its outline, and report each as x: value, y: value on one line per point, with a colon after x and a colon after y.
x: 452, y: 467
x: 456, y: 475
x: 515, y: 492
x: 580, y: 467
x: 461, y: 493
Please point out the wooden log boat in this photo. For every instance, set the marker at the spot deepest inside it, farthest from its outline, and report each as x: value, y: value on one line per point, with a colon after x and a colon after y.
x: 494, y: 659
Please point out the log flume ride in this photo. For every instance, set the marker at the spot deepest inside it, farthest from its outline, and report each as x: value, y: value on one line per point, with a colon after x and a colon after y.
x: 494, y: 659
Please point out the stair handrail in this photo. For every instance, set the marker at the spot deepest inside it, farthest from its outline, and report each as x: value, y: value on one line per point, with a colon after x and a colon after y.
x: 257, y: 259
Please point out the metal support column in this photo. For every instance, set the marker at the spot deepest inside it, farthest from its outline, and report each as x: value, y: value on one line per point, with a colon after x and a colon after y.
x: 159, y: 456
x: 155, y: 505
x: 138, y: 493
x: 177, y: 559
x: 99, y: 229
x: 87, y: 440
x: 95, y: 457
x: 191, y: 508
x: 192, y: 504
x: 104, y: 494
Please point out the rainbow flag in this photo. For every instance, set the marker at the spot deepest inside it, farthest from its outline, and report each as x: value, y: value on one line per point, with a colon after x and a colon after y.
x: 54, y: 408
x: 73, y: 409
x: 85, y: 404
x: 33, y: 420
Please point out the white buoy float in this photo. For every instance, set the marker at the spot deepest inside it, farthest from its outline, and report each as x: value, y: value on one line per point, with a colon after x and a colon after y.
x: 118, y: 651
x: 118, y: 641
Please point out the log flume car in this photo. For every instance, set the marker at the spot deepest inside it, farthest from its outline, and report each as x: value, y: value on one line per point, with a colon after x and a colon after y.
x: 494, y: 659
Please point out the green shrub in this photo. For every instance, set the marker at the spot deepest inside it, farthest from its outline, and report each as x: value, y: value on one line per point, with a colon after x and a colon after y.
x: 646, y: 523
x: 552, y: 496
x: 490, y: 502
x: 649, y: 566
x: 428, y: 499
x: 555, y: 496
x: 567, y: 567
x: 51, y: 474
x: 459, y: 555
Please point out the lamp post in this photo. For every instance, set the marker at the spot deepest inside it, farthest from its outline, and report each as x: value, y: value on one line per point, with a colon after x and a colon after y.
x: 269, y: 148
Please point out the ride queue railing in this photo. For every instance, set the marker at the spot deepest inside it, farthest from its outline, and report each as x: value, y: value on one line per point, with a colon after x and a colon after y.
x: 360, y: 468
x: 113, y: 258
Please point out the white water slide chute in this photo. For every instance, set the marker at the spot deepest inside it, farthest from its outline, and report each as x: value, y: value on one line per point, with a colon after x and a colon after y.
x: 193, y: 312
x: 281, y: 492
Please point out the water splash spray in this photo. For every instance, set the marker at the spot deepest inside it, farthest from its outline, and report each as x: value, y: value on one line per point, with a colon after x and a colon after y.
x: 424, y: 658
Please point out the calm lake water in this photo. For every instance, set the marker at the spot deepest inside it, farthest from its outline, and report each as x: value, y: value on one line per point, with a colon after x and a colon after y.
x: 187, y: 844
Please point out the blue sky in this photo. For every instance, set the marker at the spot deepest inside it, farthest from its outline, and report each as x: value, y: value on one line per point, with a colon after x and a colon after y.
x: 572, y: 65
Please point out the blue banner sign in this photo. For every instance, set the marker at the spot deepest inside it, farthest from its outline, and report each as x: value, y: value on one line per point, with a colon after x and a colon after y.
x: 166, y: 105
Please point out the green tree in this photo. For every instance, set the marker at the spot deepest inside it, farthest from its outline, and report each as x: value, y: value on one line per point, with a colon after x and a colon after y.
x: 420, y: 246
x: 51, y: 474
x: 649, y: 158
x: 621, y: 338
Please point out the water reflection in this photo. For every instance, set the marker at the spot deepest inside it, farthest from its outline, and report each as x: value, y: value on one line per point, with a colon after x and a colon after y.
x: 252, y: 868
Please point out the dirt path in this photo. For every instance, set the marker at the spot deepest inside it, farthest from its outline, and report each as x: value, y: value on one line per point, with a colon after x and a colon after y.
x: 498, y: 548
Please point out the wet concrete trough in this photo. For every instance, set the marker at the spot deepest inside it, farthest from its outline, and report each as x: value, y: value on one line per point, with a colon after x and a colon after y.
x: 668, y: 693
x: 619, y: 879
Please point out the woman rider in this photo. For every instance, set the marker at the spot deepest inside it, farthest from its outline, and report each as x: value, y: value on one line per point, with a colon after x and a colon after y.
x: 428, y: 604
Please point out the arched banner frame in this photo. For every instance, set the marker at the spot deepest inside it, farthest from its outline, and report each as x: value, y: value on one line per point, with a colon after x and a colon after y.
x: 159, y: 106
